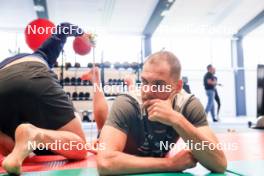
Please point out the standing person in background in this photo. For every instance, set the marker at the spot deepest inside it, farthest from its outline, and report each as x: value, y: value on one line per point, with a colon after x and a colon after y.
x: 217, y: 98
x: 209, y: 85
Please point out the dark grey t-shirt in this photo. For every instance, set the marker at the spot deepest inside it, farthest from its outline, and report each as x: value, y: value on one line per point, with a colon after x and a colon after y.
x: 144, y: 137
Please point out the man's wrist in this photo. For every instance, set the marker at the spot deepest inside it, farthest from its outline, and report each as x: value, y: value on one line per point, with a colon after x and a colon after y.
x: 175, y: 119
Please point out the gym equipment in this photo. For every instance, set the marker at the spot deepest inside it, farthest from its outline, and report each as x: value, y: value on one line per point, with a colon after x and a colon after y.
x: 90, y: 65
x: 260, y: 100
x: 74, y: 96
x: 260, y: 90
x: 110, y: 81
x: 73, y: 81
x: 117, y: 65
x: 85, y: 116
x: 79, y: 81
x: 135, y: 66
x: 85, y: 82
x: 126, y: 65
x: 37, y: 31
x: 68, y: 65
x: 107, y: 64
x: 77, y: 65
x: 90, y: 83
x: 114, y: 82
x: 87, y: 96
x: 67, y: 81
x: 119, y: 81
x: 98, y: 65
x: 82, y: 45
x: 81, y: 96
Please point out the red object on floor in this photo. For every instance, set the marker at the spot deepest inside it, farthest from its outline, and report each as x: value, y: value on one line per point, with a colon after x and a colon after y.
x: 53, y: 162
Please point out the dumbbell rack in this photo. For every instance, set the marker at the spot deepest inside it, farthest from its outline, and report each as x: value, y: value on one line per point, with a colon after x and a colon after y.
x: 81, y: 92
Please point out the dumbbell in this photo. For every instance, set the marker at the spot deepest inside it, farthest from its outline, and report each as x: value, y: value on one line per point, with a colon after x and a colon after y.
x: 73, y: 81
x: 126, y: 65
x: 68, y: 65
x: 81, y: 96
x: 110, y: 81
x: 134, y: 65
x: 85, y: 82
x: 90, y: 83
x: 74, y: 96
x: 77, y: 65
x: 85, y: 116
x: 119, y: 82
x: 117, y: 65
x: 79, y: 81
x: 67, y: 81
x: 114, y: 82
x: 87, y: 96
x: 90, y: 65
x: 107, y: 64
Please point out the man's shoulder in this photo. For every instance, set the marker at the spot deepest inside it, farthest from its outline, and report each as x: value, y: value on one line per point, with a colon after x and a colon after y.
x: 207, y: 74
x: 194, y: 112
x: 127, y: 101
x: 126, y: 98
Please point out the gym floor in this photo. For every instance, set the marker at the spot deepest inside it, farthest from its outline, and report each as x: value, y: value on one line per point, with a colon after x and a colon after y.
x: 219, y: 45
x: 248, y: 159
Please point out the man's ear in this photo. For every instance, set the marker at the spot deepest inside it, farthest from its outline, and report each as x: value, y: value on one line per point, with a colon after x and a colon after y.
x: 179, y: 85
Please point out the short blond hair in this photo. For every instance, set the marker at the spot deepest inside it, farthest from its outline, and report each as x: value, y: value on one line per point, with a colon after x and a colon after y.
x: 170, y: 59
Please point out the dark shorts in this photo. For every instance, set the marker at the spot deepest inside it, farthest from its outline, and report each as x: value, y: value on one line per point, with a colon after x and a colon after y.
x: 31, y: 93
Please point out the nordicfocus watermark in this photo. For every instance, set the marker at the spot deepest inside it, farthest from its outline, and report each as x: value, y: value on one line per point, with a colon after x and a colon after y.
x: 123, y: 88
x: 203, y: 145
x: 67, y: 146
x: 67, y: 30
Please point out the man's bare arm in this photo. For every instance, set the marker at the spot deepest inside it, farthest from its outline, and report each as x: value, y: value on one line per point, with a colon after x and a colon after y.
x: 113, y: 160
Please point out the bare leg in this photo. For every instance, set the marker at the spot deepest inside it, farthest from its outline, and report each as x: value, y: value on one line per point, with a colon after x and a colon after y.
x: 26, y: 133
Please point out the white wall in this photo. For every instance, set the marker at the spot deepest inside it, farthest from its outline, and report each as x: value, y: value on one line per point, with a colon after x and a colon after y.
x: 113, y: 48
x: 195, y: 53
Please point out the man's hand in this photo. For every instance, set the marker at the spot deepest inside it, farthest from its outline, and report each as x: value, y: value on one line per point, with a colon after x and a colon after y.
x: 93, y: 75
x: 161, y: 110
x: 181, y: 161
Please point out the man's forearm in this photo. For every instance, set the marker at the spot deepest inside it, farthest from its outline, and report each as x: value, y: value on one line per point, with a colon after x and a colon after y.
x: 100, y: 108
x: 211, y: 159
x: 115, y: 162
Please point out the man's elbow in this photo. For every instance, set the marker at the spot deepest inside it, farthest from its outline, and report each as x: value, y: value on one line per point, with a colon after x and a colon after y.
x: 221, y: 165
x: 103, y: 164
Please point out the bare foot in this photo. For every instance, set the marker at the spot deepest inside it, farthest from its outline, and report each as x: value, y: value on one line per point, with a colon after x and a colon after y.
x: 24, y: 134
